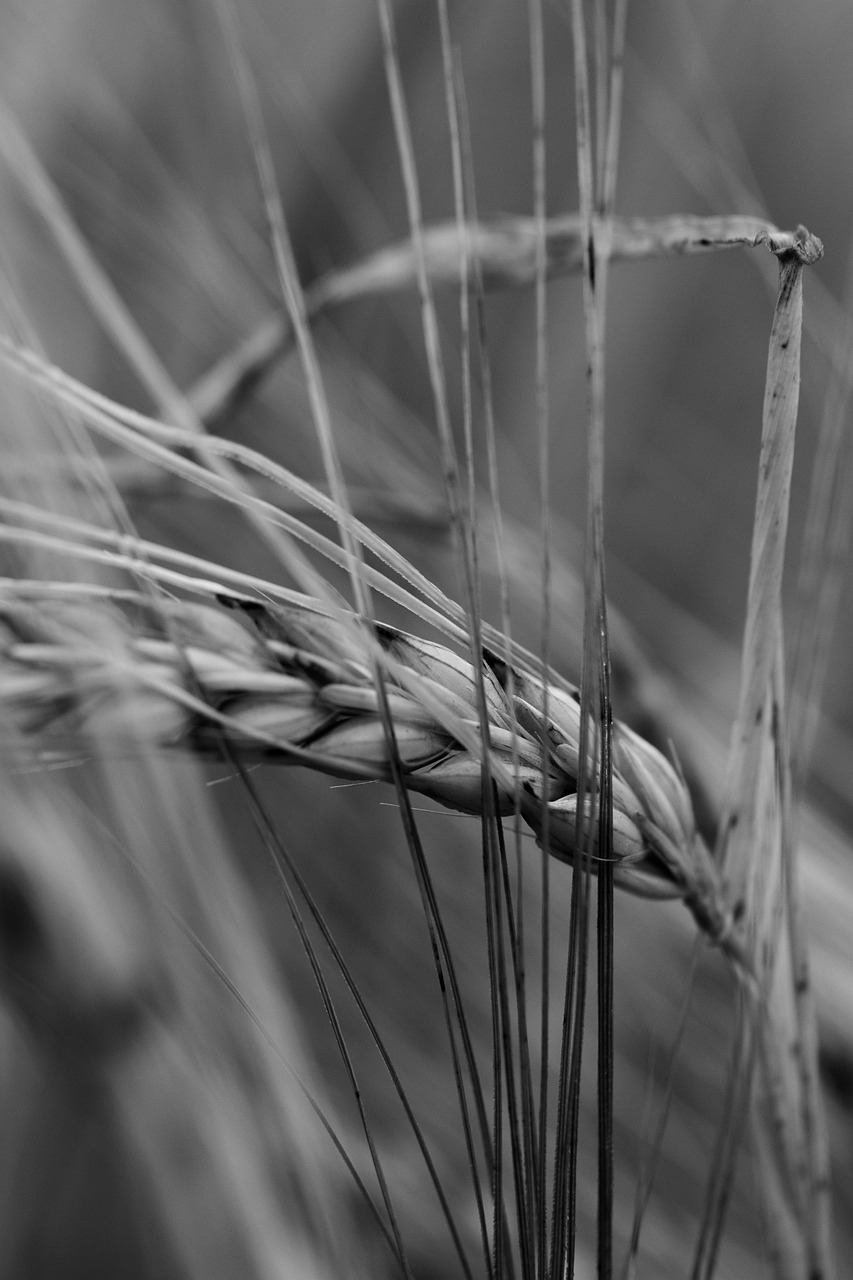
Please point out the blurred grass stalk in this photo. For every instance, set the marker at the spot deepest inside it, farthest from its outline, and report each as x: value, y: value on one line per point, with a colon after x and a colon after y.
x: 134, y: 963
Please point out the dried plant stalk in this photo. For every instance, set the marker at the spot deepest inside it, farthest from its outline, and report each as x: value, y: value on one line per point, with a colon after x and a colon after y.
x: 501, y: 252
x: 758, y: 844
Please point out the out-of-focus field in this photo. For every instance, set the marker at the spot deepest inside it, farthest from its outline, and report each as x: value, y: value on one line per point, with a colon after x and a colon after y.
x: 729, y: 108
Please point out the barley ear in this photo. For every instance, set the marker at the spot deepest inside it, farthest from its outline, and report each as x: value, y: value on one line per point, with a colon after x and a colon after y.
x: 285, y: 685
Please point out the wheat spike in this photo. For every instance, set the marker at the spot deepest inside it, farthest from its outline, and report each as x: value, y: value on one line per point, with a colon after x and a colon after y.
x: 295, y: 685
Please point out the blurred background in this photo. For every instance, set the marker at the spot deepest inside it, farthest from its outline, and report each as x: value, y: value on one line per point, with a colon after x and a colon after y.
x: 729, y: 108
